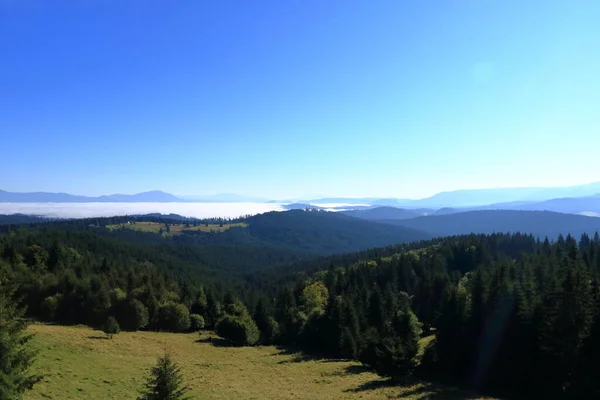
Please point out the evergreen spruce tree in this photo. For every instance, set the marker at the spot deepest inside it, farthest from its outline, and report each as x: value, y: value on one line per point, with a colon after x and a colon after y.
x: 111, y: 327
x: 376, y: 312
x: 165, y: 381
x: 214, y: 310
x: 286, y: 314
x: 587, y: 383
x: 348, y: 346
x: 395, y: 355
x: 269, y: 329
x: 16, y: 354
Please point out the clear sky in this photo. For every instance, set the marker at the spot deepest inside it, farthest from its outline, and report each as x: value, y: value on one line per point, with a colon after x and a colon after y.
x: 298, y: 98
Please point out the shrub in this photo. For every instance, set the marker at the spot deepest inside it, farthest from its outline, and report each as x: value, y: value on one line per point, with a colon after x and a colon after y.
x: 116, y: 296
x: 197, y: 322
x: 270, y: 334
x: 238, y: 330
x: 49, y: 307
x: 133, y: 315
x: 174, y: 317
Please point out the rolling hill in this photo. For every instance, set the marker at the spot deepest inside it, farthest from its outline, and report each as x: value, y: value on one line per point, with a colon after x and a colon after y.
x: 539, y: 223
x: 17, y: 219
x: 262, y: 240
x: 314, y: 232
x: 323, y: 232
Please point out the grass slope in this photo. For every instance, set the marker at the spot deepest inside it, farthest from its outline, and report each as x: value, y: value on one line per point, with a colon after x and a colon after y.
x: 174, y: 229
x: 79, y: 363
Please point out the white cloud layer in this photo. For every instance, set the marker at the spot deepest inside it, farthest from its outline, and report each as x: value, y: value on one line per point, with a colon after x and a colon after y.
x: 89, y: 210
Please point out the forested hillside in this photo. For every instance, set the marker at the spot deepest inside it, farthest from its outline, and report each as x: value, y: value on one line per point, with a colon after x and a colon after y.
x: 80, y: 271
x: 327, y: 232
x: 508, y: 314
x: 310, y: 232
x: 17, y: 219
x: 483, y: 300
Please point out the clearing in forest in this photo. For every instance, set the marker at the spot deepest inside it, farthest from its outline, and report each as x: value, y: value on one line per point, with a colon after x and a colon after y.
x: 81, y: 363
x: 175, y: 229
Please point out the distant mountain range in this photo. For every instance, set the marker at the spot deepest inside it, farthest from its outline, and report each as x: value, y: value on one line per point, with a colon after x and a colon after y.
x: 474, y: 197
x: 538, y: 223
x: 225, y: 198
x: 570, y: 205
x: 571, y: 199
x: 589, y: 205
x: 478, y: 197
x: 43, y: 197
x: 155, y: 196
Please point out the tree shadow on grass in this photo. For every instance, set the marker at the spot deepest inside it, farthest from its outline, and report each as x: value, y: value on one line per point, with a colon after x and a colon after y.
x: 216, y: 342
x: 414, y: 390
x: 299, y: 356
x: 99, y: 337
x: 355, y: 370
x: 348, y: 370
x: 373, y: 385
x: 433, y: 392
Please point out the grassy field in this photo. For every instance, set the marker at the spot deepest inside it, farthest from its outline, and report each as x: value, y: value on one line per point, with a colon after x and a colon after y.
x: 80, y: 363
x: 175, y: 229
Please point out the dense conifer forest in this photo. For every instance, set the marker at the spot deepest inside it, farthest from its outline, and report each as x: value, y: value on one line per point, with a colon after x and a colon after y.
x: 507, y: 314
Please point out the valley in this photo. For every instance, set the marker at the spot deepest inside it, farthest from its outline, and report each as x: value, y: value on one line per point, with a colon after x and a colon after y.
x: 299, y: 200
x: 303, y: 289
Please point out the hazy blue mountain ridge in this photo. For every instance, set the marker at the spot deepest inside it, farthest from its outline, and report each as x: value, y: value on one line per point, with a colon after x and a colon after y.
x: 44, y: 197
x: 538, y: 223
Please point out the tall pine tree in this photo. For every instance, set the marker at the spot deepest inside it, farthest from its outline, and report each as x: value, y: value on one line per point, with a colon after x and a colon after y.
x: 165, y: 381
x: 16, y: 353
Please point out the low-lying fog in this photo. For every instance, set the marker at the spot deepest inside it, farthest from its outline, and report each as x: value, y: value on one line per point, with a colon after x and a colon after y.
x: 87, y: 210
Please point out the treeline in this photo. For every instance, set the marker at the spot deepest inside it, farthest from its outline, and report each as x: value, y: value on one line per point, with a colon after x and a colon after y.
x: 15, y: 222
x: 81, y: 277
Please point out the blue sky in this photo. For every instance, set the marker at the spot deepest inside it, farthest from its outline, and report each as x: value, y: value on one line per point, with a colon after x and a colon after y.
x: 298, y: 98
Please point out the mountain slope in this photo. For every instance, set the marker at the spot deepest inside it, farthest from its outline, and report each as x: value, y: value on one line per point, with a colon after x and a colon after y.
x: 538, y: 223
x: 265, y: 239
x: 326, y: 232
